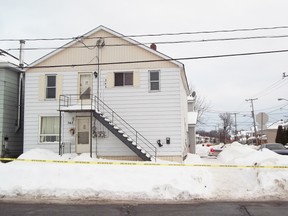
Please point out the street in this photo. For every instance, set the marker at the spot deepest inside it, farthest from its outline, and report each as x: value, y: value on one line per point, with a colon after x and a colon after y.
x: 9, y: 208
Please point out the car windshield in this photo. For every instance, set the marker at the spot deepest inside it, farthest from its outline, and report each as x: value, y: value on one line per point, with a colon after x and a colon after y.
x: 274, y: 146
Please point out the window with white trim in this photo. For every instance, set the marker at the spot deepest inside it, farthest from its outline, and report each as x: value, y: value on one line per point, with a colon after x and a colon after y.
x: 123, y: 79
x: 154, y: 80
x: 49, y: 129
x: 50, y: 86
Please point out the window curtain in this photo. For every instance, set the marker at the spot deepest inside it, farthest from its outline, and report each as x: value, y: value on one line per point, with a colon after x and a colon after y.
x: 50, y: 125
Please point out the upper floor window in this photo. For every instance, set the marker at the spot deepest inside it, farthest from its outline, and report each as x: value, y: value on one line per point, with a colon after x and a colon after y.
x: 154, y: 78
x: 51, y: 86
x: 123, y: 79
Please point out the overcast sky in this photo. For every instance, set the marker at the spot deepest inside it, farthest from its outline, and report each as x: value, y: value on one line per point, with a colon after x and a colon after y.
x: 225, y: 83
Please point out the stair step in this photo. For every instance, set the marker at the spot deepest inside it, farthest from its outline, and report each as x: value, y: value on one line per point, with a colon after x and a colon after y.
x: 130, y: 140
x: 106, y: 119
x: 120, y: 131
x: 134, y: 143
x: 98, y: 111
x: 138, y: 147
x: 117, y: 128
x: 148, y: 155
x: 143, y: 151
x: 125, y: 135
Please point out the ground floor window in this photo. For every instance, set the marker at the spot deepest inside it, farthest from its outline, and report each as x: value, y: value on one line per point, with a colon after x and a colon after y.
x: 49, y: 129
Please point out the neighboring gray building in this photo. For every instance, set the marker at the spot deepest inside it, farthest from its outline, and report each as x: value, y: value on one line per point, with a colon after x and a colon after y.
x: 11, y: 101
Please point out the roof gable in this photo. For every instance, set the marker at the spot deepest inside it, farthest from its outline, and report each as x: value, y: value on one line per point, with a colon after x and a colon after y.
x: 93, y: 35
x: 119, y: 53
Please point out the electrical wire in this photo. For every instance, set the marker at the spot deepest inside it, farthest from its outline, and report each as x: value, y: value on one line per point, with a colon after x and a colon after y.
x: 152, y: 35
x: 161, y: 60
x: 271, y: 88
x: 148, y: 43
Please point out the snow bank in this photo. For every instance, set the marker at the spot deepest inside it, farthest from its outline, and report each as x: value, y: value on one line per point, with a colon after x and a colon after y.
x: 118, y: 182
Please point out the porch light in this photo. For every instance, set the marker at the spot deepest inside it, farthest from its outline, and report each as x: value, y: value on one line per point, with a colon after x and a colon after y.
x: 95, y: 74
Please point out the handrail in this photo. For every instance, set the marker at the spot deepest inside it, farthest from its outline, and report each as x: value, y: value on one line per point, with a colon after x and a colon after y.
x: 95, y: 103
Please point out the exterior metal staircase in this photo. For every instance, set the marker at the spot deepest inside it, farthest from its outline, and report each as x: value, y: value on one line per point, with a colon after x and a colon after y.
x: 114, y: 123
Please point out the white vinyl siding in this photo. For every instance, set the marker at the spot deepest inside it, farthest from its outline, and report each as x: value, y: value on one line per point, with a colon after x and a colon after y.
x: 156, y: 116
x: 37, y: 106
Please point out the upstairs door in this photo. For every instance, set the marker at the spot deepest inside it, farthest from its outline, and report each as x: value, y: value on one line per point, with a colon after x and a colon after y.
x: 85, y: 82
x: 83, y: 134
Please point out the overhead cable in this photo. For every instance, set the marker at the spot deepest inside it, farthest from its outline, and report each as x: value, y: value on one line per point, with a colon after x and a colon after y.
x: 152, y: 35
x: 161, y: 60
x: 159, y: 42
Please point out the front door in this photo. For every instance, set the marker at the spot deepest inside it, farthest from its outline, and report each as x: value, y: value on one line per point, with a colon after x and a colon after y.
x: 85, y: 82
x: 83, y: 135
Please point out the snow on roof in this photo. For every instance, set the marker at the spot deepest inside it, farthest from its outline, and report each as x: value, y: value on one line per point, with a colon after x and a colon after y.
x: 7, y: 57
x: 275, y: 125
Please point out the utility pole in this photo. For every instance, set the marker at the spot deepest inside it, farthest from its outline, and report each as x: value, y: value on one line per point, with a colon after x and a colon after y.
x: 21, y: 58
x: 235, y: 115
x: 100, y: 43
x: 253, y: 116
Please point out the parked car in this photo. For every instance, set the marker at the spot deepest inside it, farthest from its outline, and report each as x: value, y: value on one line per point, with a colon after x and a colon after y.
x: 215, y: 150
x: 276, y: 147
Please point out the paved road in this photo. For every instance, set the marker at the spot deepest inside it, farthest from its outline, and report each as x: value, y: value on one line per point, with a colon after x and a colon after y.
x: 8, y: 208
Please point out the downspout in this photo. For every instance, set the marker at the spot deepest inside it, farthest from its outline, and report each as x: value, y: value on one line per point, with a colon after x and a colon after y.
x: 19, y: 105
x: 20, y: 87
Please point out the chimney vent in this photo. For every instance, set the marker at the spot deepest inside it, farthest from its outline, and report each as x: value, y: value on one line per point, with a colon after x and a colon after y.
x: 153, y: 46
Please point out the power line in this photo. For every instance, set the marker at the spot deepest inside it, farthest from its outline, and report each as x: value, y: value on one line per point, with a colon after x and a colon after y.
x: 151, y: 35
x: 158, y: 42
x: 161, y: 60
x: 269, y: 88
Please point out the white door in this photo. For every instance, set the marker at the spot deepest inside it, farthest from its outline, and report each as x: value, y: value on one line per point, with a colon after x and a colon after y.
x: 83, y: 135
x: 85, y: 82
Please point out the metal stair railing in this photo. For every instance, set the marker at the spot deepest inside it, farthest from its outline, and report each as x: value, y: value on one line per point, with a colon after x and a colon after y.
x: 129, y: 130
x: 73, y: 101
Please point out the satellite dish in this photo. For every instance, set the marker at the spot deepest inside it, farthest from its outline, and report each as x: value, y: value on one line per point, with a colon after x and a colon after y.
x: 193, y: 94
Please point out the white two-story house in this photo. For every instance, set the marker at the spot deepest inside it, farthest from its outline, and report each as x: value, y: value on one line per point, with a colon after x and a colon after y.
x: 108, y: 95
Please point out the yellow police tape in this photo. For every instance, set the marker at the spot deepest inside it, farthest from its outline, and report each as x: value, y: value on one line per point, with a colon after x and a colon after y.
x: 143, y: 163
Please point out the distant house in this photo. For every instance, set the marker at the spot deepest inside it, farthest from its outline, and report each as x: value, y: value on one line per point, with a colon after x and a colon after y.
x: 11, y: 102
x: 271, y: 130
x: 106, y: 94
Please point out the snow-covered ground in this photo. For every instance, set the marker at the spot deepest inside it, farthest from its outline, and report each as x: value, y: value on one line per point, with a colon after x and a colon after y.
x: 37, y: 180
